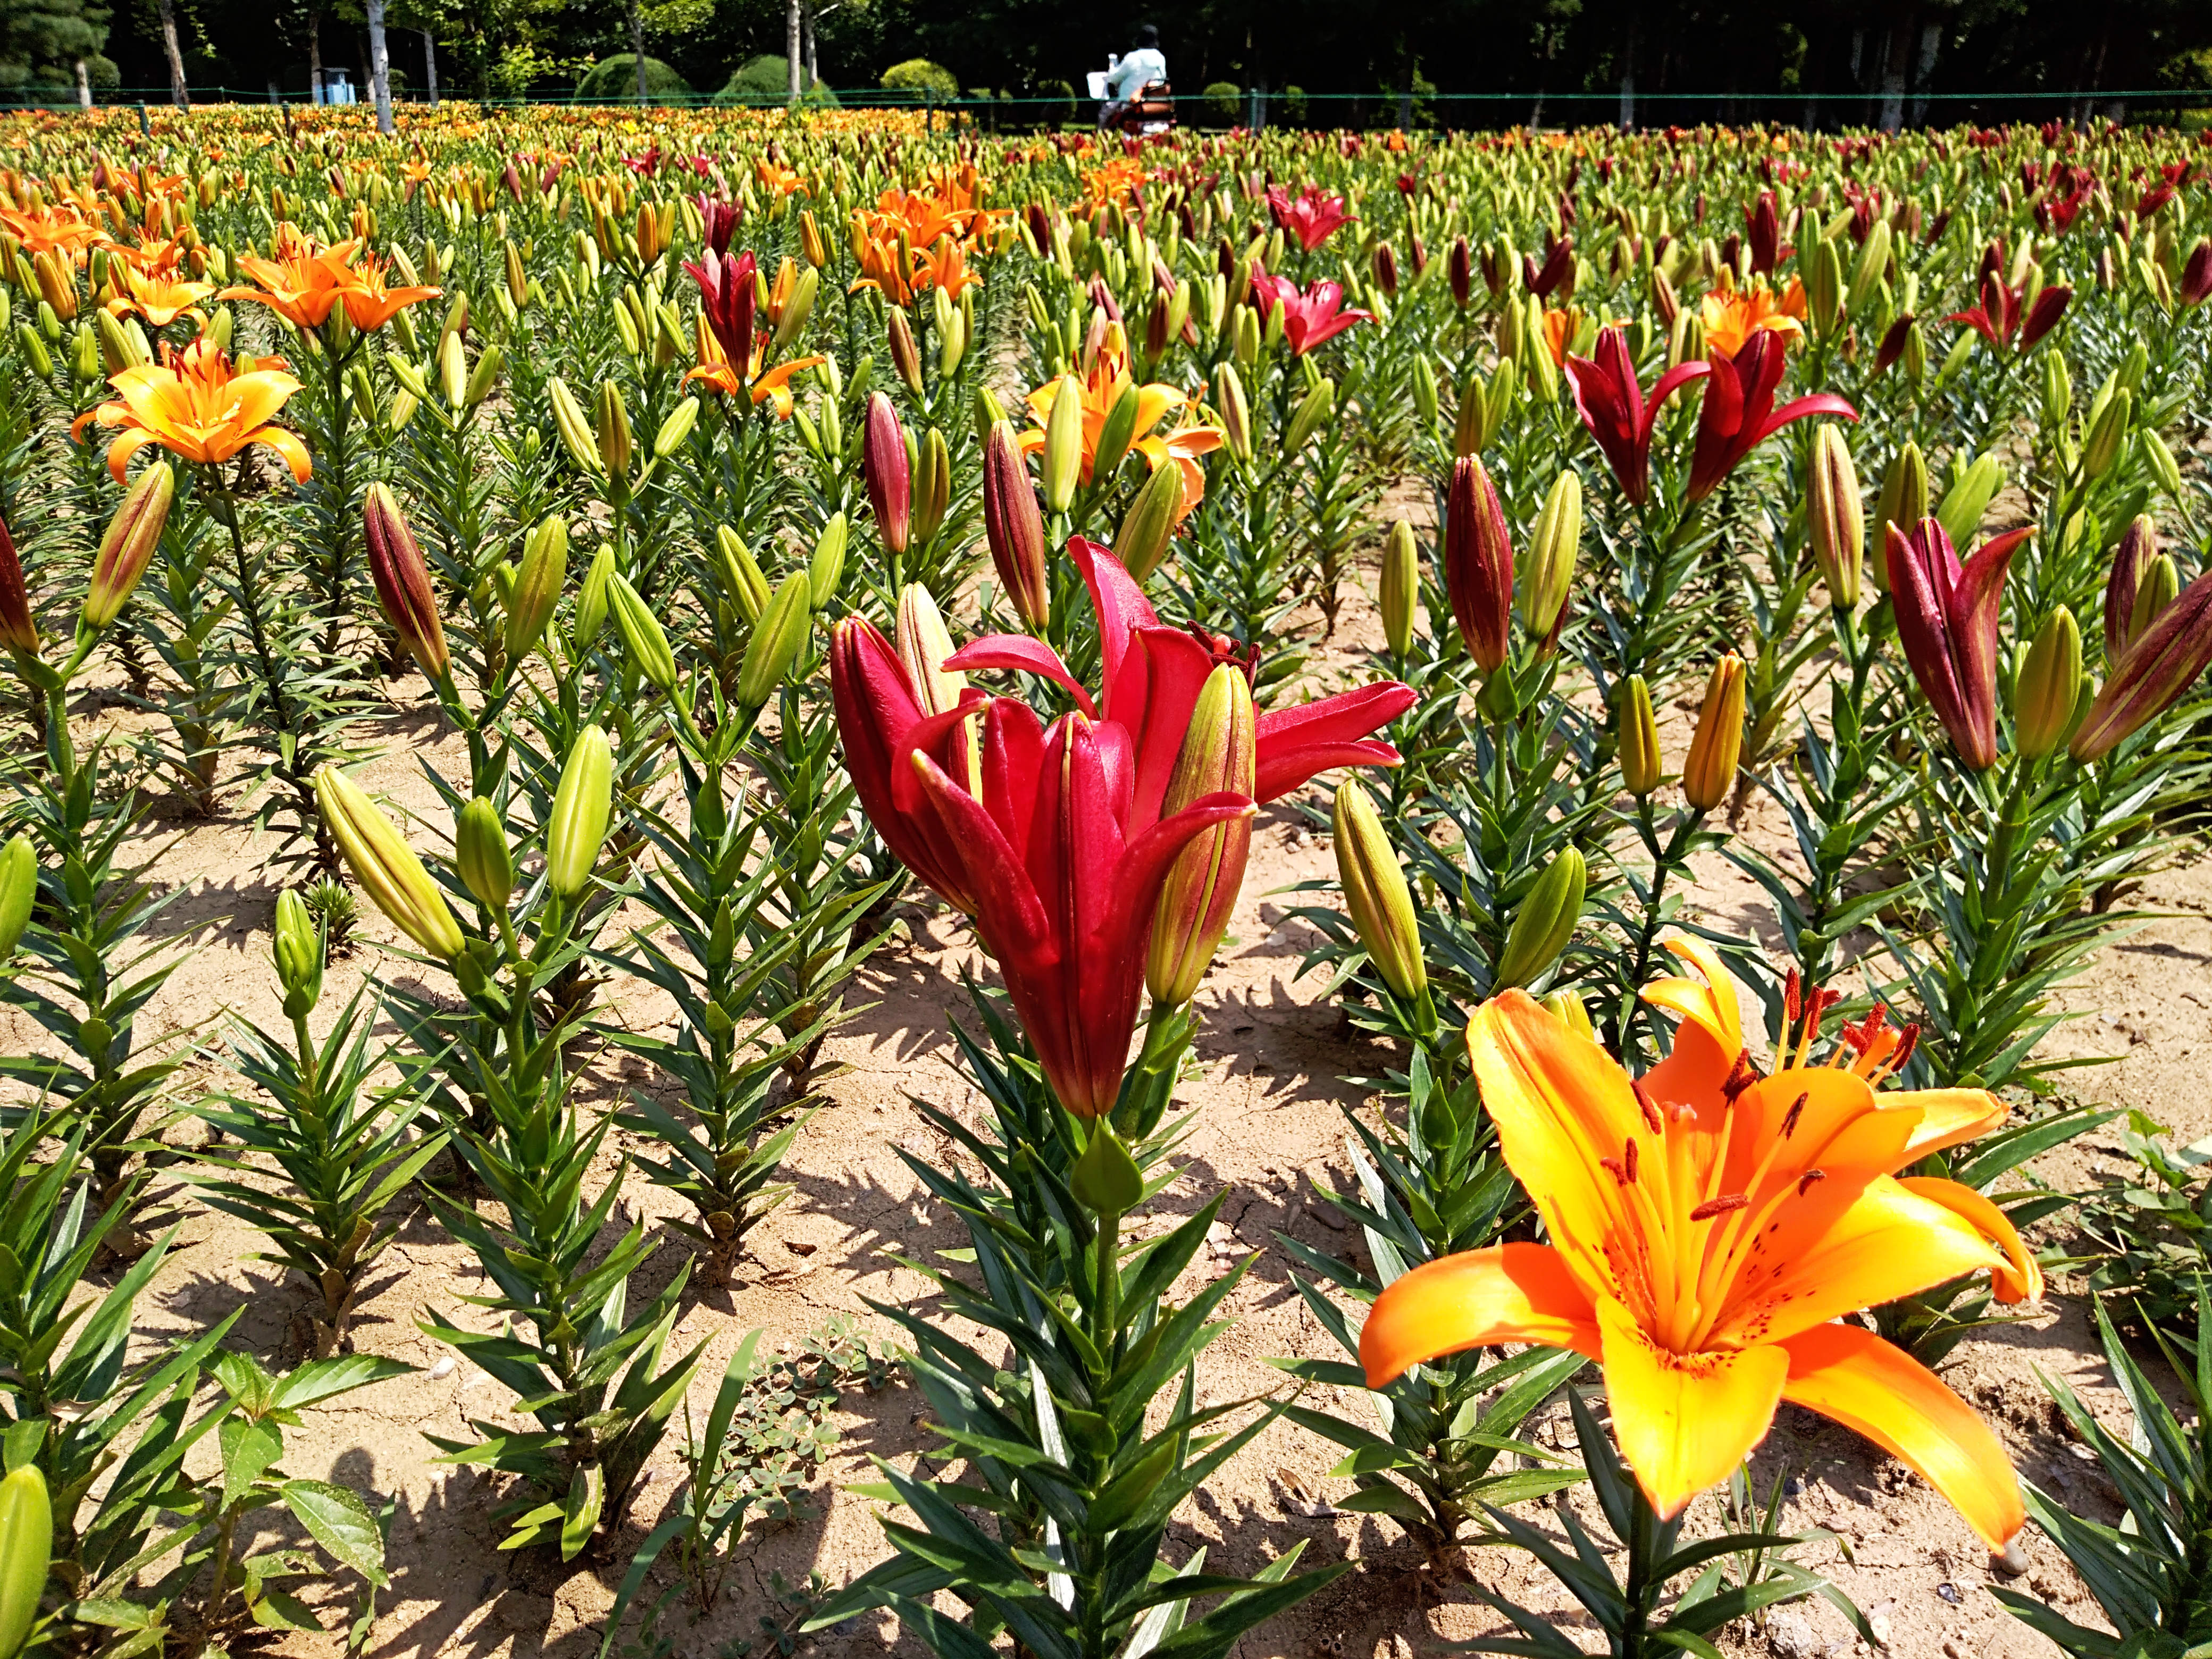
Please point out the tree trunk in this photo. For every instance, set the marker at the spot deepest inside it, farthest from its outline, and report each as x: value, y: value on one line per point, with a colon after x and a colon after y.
x: 83, y: 85
x: 792, y: 49
x: 813, y: 77
x: 637, y: 45
x: 1931, y: 43
x: 1628, y: 79
x: 380, y: 68
x: 430, y: 67
x: 178, y: 96
x: 315, y: 56
x: 1405, y: 98
x: 1896, y: 60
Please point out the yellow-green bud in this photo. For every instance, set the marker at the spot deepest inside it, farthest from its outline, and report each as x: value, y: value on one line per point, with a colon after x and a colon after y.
x: 386, y: 867
x: 777, y: 636
x: 932, y: 485
x: 1544, y: 923
x: 299, y: 955
x: 576, y: 435
x: 537, y: 583
x: 2163, y: 466
x: 2048, y: 687
x: 1960, y: 510
x: 1835, y: 516
x: 1063, y: 446
x: 1236, y: 412
x: 1219, y: 752
x: 676, y: 428
x: 582, y: 804
x: 1569, y: 1007
x: 1553, y: 550
x: 127, y: 548
x: 825, y: 571
x: 1317, y: 406
x: 611, y: 430
x: 1873, y: 265
x: 1426, y: 402
x: 453, y: 372
x: 1903, y: 503
x: 641, y: 633
x: 19, y: 891
x: 1641, y: 768
x: 2106, y: 433
x: 1401, y: 586
x: 1376, y: 894
x: 741, y: 573
x: 1824, y: 286
x: 481, y: 854
x: 1474, y: 423
x: 1149, y: 526
x: 27, y: 1542
x: 592, y: 603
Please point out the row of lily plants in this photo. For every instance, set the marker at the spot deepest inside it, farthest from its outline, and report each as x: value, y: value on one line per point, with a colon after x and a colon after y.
x: 802, y: 526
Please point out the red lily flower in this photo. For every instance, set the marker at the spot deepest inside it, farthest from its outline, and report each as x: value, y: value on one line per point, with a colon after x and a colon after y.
x: 720, y: 213
x: 727, y: 296
x: 1151, y: 676
x: 1309, y: 319
x: 1313, y: 218
x: 1946, y: 621
x: 1739, y: 413
x: 1611, y: 402
x: 1998, y: 318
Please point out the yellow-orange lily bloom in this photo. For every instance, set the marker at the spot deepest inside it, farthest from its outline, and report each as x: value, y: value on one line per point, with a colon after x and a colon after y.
x: 1100, y: 387
x: 943, y: 266
x: 1709, y: 1227
x: 158, y: 297
x: 768, y: 385
x: 369, y: 305
x: 1732, y: 315
x: 300, y: 283
x: 200, y: 406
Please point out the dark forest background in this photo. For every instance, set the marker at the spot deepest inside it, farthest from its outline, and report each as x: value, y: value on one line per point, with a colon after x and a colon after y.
x: 1353, y: 64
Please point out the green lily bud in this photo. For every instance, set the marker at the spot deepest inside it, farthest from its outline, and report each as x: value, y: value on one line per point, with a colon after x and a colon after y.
x: 1964, y: 503
x: 1473, y: 416
x: 1716, y: 746
x: 798, y: 308
x: 988, y: 412
x: 1063, y: 446
x: 825, y: 571
x: 1426, y: 403
x: 1641, y: 768
x: 610, y: 431
x: 782, y: 630
x: 299, y: 954
x: 537, y: 583
x: 386, y: 867
x: 128, y: 547
x: 1955, y: 359
x: 1835, y: 515
x: 1219, y: 752
x: 1401, y: 586
x: 1544, y: 923
x: 27, y: 1542
x: 1824, y: 286
x: 641, y: 633
x: 2106, y: 433
x: 932, y: 485
x: 453, y: 372
x: 1553, y: 550
x: 2048, y: 687
x: 1150, y: 523
x: 1873, y: 265
x: 481, y: 852
x: 676, y: 428
x: 2163, y: 466
x: 2158, y: 586
x: 1236, y: 412
x: 906, y: 355
x: 1317, y: 406
x: 1376, y: 894
x: 19, y: 891
x: 582, y: 804
x: 592, y: 604
x: 1115, y: 432
x: 1903, y: 503
x: 741, y: 573
x: 1569, y: 1007
x: 576, y: 435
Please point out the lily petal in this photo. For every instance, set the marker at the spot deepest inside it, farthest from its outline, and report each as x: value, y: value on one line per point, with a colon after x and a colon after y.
x: 1508, y: 1293
x: 1684, y: 1421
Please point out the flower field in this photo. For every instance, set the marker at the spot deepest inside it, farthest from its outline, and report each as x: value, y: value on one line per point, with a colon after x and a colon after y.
x: 836, y: 884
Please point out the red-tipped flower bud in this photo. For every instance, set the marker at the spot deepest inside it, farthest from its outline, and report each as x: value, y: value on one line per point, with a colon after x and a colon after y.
x: 1479, y: 563
x: 403, y: 582
x: 891, y: 484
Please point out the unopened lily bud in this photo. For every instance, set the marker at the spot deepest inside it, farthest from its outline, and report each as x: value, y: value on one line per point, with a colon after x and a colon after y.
x: 1219, y: 753
x: 1115, y: 432
x: 2128, y: 608
x: 34, y: 350
x: 777, y: 636
x: 27, y: 1542
x: 1641, y: 768
x: 481, y: 854
x: 1473, y: 417
x: 1317, y: 406
x: 1824, y: 286
x: 932, y: 485
x: 298, y: 950
x: 1710, y: 772
x: 125, y: 552
x: 923, y: 645
x: 642, y: 637
x: 1835, y: 516
x: 2163, y: 465
x: 582, y: 802
x: 2048, y: 687
x: 19, y: 628
x: 537, y: 583
x: 2102, y: 446
x: 1426, y: 401
x: 611, y: 432
x: 592, y: 603
x: 1569, y: 1007
x: 1063, y: 445
x: 1014, y: 527
x: 906, y: 355
x: 1544, y: 923
x: 1968, y: 498
x: 676, y: 428
x: 2152, y: 675
x: 57, y: 285
x: 1553, y: 553
x: 402, y: 577
x: 1478, y: 564
x: 1376, y: 894
x: 1873, y: 265
x: 825, y: 570
x: 891, y: 486
x: 1904, y: 503
x: 1401, y: 586
x: 797, y: 309
x: 809, y: 240
x: 453, y: 372
x: 19, y: 891
x: 386, y: 866
x: 576, y: 430
x: 747, y: 584
x: 1236, y: 412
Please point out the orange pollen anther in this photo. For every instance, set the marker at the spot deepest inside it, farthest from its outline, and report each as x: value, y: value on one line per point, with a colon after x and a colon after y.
x: 1721, y: 1205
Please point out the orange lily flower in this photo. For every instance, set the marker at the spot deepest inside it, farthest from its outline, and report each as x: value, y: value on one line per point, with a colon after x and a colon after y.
x: 879, y: 258
x: 771, y: 386
x: 777, y: 179
x: 200, y: 406
x: 1709, y: 1227
x: 945, y: 266
x: 1732, y: 315
x: 301, y: 283
x: 1100, y: 387
x: 368, y: 304
x: 157, y: 296
x: 58, y: 231
x: 1559, y: 333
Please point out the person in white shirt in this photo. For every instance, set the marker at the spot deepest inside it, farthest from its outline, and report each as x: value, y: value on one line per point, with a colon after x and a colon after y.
x: 1144, y: 65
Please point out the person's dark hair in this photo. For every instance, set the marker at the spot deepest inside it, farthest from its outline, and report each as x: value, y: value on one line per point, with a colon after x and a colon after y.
x: 1148, y: 36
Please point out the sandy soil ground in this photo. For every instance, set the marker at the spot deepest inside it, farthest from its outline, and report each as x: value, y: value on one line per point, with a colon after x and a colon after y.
x: 1268, y: 1096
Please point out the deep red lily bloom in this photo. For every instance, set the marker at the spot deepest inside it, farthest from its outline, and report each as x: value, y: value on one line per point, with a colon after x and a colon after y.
x: 719, y: 214
x: 727, y: 297
x: 1309, y: 319
x: 1151, y: 676
x: 1313, y: 218
x: 1947, y: 620
x: 1611, y: 402
x: 1739, y: 413
x: 1998, y: 317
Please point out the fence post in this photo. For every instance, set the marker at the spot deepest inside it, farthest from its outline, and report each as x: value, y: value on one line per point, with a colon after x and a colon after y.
x: 145, y: 126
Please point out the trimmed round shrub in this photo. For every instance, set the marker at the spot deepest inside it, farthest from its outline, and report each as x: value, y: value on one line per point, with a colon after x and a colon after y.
x: 1223, y: 100
x: 920, y: 74
x: 613, y: 79
x: 768, y: 78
